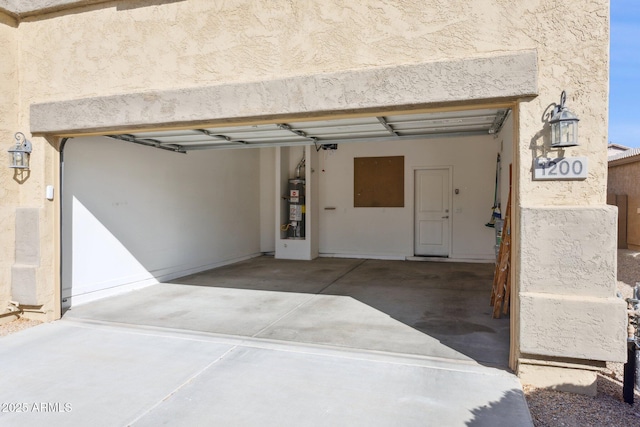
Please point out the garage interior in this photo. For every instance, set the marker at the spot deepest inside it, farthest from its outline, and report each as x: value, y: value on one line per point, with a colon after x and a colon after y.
x: 203, y: 241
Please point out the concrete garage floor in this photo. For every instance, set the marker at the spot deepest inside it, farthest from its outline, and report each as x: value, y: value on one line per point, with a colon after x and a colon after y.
x: 435, y: 309
x: 333, y: 342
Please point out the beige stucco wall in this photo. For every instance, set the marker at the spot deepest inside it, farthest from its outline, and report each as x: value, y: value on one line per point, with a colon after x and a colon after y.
x: 624, y: 179
x: 122, y: 47
x: 9, y: 189
x: 568, y: 306
x: 118, y: 48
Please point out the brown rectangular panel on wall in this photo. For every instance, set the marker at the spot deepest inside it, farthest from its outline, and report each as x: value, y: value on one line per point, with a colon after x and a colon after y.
x: 378, y: 182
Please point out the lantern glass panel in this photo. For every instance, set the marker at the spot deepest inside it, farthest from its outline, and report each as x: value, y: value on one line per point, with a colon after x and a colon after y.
x: 566, y: 132
x: 555, y: 133
x: 19, y: 159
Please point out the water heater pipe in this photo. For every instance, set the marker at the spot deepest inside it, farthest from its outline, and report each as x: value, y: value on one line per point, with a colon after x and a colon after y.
x: 300, y: 165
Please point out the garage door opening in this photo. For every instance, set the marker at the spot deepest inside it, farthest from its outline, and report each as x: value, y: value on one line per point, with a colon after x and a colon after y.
x: 134, y: 216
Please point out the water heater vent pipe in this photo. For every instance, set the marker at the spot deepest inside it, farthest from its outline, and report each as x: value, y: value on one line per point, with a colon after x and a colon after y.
x: 300, y: 165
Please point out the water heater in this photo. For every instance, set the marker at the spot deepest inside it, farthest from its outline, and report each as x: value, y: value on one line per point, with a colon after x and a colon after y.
x: 295, y: 201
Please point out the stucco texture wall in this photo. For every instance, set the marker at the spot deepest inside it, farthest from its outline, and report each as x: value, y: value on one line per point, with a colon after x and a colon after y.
x: 121, y: 47
x: 137, y: 46
x: 9, y: 189
x: 623, y: 180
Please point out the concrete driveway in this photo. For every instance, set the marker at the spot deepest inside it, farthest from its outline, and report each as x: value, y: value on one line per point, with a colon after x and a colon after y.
x: 257, y: 357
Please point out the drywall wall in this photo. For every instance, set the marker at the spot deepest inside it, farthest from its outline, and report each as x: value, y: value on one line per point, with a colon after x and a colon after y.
x: 267, y: 199
x: 388, y: 232
x: 134, y: 214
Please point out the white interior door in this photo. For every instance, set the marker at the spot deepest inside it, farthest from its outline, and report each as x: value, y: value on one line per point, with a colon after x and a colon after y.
x: 432, y: 216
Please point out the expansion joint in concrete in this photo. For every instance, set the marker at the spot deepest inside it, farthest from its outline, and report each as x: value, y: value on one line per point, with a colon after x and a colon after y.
x: 183, y: 385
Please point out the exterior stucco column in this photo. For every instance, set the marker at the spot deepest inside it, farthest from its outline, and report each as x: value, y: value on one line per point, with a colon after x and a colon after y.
x: 11, y: 190
x: 569, y: 319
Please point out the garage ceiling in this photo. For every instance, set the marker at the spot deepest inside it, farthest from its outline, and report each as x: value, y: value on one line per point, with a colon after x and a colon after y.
x: 326, y: 132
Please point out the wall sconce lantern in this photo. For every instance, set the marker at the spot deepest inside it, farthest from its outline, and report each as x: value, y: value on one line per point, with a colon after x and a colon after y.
x: 20, y: 152
x: 564, y: 125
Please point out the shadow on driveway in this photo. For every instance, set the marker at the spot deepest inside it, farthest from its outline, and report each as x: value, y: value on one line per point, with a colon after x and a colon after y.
x: 435, y: 309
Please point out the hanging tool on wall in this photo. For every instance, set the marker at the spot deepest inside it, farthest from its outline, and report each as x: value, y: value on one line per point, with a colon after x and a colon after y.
x: 495, y: 210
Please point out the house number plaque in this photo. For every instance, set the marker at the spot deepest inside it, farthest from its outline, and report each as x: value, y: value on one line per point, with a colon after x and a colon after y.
x: 560, y: 168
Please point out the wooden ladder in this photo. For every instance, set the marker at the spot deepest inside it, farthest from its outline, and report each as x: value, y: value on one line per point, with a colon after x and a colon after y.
x: 501, y: 290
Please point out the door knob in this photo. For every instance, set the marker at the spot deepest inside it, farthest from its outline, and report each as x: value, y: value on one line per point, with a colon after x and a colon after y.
x: 445, y: 217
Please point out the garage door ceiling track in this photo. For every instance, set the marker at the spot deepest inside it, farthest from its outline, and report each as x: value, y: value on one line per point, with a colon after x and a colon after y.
x: 326, y: 133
